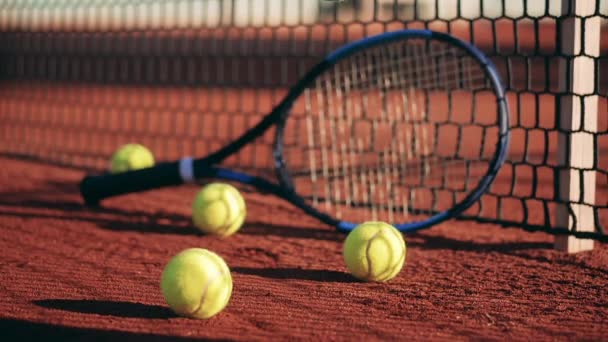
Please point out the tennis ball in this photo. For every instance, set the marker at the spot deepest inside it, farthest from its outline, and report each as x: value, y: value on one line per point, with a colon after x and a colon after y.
x: 374, y: 251
x: 131, y: 157
x: 219, y: 209
x: 196, y: 283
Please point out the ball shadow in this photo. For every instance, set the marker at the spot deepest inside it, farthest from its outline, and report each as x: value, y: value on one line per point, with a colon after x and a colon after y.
x: 22, y: 330
x: 107, y: 308
x: 291, y: 231
x: 297, y: 273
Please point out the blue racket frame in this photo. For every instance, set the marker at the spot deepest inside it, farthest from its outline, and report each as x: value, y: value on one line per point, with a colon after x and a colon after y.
x: 96, y: 188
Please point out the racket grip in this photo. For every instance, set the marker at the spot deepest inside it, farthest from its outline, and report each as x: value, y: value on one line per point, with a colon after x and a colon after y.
x: 93, y: 189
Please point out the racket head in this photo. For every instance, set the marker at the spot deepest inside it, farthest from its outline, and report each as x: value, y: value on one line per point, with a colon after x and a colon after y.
x: 421, y: 68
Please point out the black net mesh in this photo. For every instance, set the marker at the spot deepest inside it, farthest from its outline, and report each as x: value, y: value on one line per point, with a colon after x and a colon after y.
x: 184, y: 77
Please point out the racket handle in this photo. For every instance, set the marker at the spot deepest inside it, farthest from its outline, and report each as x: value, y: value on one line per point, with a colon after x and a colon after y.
x: 96, y: 188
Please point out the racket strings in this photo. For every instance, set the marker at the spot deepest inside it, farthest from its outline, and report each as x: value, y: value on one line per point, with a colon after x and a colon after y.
x: 375, y: 144
x: 449, y: 69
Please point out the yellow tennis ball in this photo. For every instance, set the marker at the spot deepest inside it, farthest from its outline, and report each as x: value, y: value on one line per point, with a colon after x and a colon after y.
x: 196, y: 283
x: 219, y: 209
x: 374, y: 251
x: 131, y: 157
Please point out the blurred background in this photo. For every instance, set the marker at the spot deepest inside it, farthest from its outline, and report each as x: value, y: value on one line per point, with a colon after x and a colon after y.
x: 184, y: 77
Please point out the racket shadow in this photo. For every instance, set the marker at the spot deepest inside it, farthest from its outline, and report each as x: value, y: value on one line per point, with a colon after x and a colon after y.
x: 55, y: 200
x: 105, y: 218
x: 297, y: 273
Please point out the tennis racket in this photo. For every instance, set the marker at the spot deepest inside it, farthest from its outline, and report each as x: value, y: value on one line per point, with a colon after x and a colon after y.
x: 409, y: 127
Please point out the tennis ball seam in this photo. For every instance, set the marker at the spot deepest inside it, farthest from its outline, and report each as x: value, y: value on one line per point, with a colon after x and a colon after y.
x: 391, y: 268
x: 219, y: 274
x: 229, y: 221
x: 231, y: 205
x: 394, y: 266
x: 196, y: 283
x: 368, y: 256
x: 388, y: 270
x: 234, y: 215
x: 201, y: 302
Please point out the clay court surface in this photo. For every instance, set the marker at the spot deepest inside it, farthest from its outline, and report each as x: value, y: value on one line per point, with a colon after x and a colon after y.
x: 73, y: 273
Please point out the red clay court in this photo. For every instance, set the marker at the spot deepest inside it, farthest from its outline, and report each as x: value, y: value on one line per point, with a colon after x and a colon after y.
x: 70, y: 272
x: 77, y: 274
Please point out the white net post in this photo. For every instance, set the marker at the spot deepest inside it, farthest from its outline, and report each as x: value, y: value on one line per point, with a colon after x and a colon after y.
x: 580, y: 37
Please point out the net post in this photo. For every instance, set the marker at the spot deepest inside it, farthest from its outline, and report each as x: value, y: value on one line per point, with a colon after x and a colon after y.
x: 578, y: 119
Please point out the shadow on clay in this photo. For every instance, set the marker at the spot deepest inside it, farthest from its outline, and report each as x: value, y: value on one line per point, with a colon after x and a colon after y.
x: 23, y: 330
x: 519, y: 249
x: 149, y: 223
x: 158, y: 222
x: 297, y: 273
x: 265, y: 229
x: 49, y: 198
x: 434, y: 242
x: 107, y: 308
